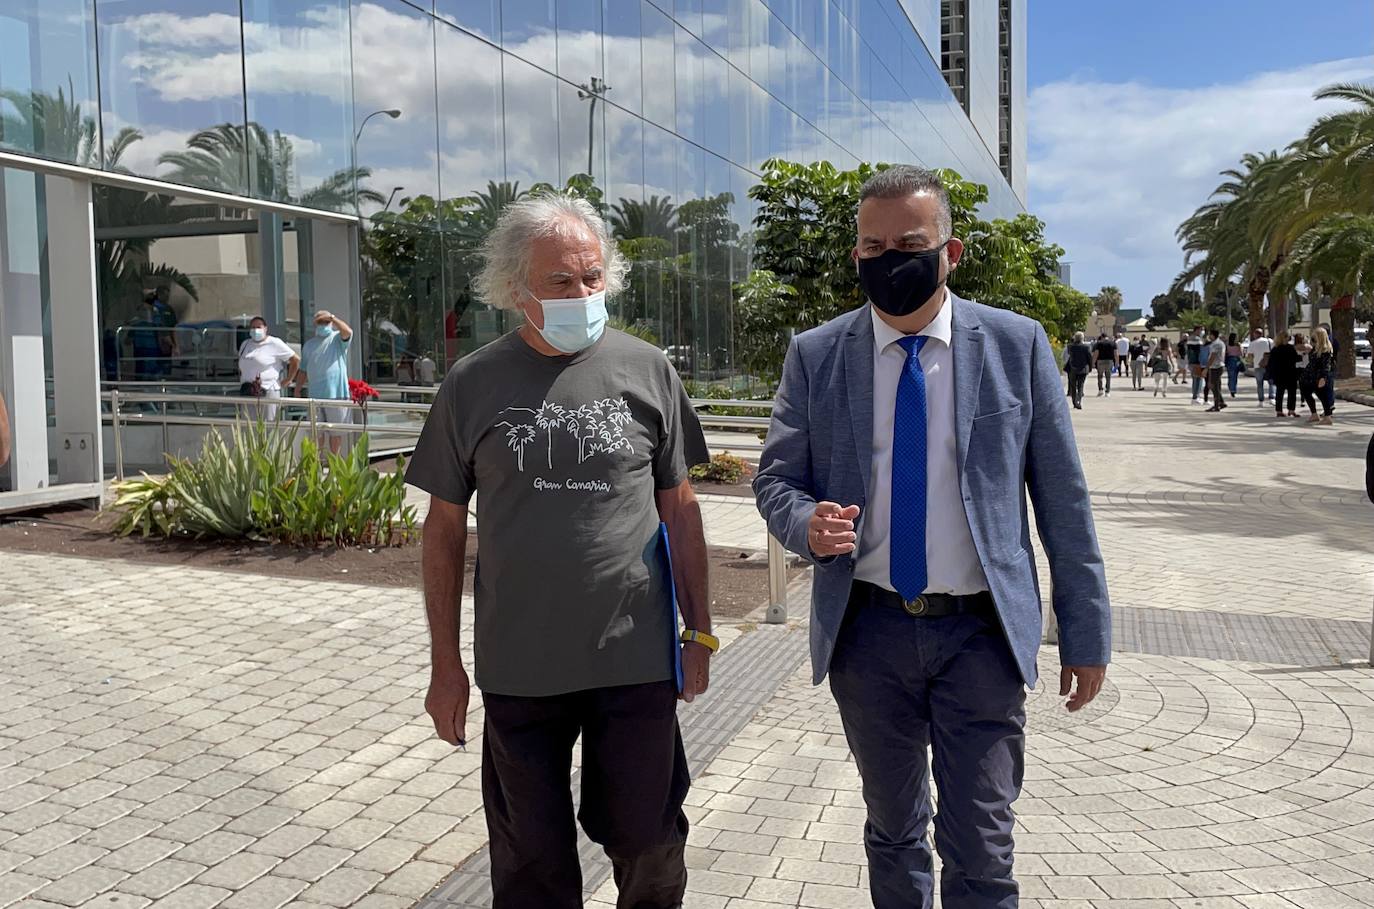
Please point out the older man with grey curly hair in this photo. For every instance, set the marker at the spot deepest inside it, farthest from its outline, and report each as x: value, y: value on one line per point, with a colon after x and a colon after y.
x: 579, y: 439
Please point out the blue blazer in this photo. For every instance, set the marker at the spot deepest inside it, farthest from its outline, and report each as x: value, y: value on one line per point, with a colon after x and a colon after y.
x: 1014, y: 439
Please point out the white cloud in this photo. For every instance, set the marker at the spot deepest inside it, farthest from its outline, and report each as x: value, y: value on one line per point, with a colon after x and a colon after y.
x: 1115, y: 167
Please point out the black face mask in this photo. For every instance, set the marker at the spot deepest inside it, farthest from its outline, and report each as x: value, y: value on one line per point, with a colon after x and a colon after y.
x: 899, y: 282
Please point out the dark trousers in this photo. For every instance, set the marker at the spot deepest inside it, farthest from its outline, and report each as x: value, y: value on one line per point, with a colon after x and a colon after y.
x: 1311, y: 395
x: 1214, y: 384
x: 1288, y: 386
x: 1076, y: 382
x: 634, y: 780
x: 1104, y: 373
x: 950, y: 685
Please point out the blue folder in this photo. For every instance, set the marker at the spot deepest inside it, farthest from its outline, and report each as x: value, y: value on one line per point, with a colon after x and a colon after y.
x: 673, y: 610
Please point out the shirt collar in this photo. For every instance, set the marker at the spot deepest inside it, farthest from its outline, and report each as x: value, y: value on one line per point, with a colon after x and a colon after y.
x: 941, y: 328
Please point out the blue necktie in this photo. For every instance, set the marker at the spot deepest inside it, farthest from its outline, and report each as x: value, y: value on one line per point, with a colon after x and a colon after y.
x: 907, y: 552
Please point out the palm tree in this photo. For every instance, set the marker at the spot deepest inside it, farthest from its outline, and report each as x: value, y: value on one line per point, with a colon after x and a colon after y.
x: 230, y: 158
x: 50, y: 125
x: 548, y: 418
x: 632, y: 220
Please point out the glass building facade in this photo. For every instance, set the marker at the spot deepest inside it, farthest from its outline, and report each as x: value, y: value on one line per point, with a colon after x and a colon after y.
x: 413, y: 122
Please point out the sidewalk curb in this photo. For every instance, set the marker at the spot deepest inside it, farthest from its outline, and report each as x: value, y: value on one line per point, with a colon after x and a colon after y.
x: 1357, y: 397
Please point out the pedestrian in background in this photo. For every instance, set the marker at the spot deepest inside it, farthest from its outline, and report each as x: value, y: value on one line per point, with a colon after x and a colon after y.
x: 263, y: 359
x: 1283, y: 374
x: 1234, y: 363
x: 1215, y: 354
x: 1259, y: 363
x: 324, y: 369
x: 927, y: 641
x: 1318, y: 382
x: 1140, y: 351
x: 1194, y: 345
x: 1078, y: 362
x: 1180, y: 362
x: 1123, y: 354
x: 1161, y: 365
x: 1104, y: 357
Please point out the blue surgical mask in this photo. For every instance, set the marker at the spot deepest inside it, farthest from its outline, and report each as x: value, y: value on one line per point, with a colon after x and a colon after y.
x: 322, y: 331
x: 259, y: 334
x: 573, y: 325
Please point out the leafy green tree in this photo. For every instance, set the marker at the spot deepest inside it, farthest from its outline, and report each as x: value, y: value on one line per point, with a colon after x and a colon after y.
x: 763, y: 306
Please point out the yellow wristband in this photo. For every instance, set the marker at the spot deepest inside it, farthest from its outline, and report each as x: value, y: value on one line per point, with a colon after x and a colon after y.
x: 710, y: 642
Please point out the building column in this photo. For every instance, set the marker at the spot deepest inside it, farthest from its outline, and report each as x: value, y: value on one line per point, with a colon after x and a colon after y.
x: 334, y: 264
x: 75, y: 329
x: 22, y: 369
x: 272, y: 278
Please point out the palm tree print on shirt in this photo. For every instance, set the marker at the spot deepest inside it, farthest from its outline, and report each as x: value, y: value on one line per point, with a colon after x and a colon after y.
x: 598, y: 427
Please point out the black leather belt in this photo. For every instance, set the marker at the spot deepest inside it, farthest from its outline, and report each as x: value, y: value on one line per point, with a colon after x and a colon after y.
x: 927, y: 605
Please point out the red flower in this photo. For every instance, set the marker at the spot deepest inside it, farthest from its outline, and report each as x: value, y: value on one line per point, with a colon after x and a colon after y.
x: 361, y: 392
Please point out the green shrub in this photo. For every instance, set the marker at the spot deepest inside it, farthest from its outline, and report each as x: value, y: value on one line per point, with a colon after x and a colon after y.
x: 259, y: 488
x: 723, y: 468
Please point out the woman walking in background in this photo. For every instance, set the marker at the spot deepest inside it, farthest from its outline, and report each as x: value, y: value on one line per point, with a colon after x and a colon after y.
x: 1234, y: 353
x: 1161, y: 365
x: 1180, y: 361
x: 1282, y: 371
x: 1319, y: 379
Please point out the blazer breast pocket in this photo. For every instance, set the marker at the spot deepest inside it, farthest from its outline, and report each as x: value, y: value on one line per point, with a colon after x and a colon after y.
x: 1002, y: 414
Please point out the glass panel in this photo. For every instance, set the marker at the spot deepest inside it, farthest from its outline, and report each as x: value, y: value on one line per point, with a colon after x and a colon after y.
x: 528, y: 30
x: 739, y: 25
x: 714, y: 132
x: 688, y: 64
x: 402, y: 296
x: 582, y: 124
x: 686, y: 12
x: 394, y: 104
x: 173, y: 69
x: 622, y: 49
x: 579, y: 40
x: 715, y: 25
x: 658, y: 49
x: 481, y: 17
x: 471, y: 141
x: 47, y: 77
x: 660, y: 179
x: 301, y: 118
x: 531, y: 120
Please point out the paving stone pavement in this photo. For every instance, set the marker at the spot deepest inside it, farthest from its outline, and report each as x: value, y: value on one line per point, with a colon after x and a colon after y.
x: 178, y: 737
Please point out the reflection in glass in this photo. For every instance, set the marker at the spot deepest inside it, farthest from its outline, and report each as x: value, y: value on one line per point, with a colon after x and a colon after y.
x: 658, y: 49
x: 301, y: 119
x: 622, y: 49
x: 528, y: 31
x: 481, y: 17
x: 171, y: 70
x: 531, y: 104
x: 393, y: 55
x: 579, y: 40
x: 471, y: 141
x: 47, y: 80
x: 581, y: 124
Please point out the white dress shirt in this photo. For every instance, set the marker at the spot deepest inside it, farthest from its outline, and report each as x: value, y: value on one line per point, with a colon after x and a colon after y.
x: 952, y: 562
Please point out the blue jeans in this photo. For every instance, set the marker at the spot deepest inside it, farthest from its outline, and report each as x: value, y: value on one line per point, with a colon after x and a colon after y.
x: 1198, y: 382
x: 1259, y: 372
x: 949, y: 684
x: 1232, y: 374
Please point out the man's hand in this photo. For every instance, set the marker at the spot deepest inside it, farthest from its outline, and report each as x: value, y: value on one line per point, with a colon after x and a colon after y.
x: 1090, y: 679
x: 830, y: 531
x: 696, y: 670
x: 447, y: 704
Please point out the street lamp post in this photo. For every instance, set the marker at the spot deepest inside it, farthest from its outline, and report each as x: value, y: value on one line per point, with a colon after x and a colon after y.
x: 394, y: 113
x: 585, y: 92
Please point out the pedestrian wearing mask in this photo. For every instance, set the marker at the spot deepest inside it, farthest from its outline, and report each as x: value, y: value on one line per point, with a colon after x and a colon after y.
x: 576, y: 440
x: 266, y: 364
x: 907, y: 437
x: 324, y: 370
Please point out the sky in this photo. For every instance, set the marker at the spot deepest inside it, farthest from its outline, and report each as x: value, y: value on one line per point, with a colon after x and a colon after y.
x: 1136, y: 108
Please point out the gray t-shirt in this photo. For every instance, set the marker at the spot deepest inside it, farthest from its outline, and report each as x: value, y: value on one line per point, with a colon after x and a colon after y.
x: 566, y: 454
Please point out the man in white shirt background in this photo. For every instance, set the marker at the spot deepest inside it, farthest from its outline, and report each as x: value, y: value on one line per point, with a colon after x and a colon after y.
x: 1123, y: 354
x: 1258, y: 350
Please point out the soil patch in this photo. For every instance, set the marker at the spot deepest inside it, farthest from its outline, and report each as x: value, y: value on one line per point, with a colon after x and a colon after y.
x: 739, y: 583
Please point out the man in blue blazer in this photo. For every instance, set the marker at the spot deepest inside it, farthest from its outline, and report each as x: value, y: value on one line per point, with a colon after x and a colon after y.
x: 905, y: 440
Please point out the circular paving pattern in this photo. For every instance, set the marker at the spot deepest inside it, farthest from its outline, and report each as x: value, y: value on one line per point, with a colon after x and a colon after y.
x: 1192, y: 778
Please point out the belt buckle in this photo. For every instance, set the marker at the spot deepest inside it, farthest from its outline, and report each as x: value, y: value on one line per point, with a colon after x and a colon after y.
x: 916, y: 607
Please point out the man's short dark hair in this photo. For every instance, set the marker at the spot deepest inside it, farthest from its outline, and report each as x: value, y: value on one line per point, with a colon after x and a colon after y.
x: 901, y: 180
